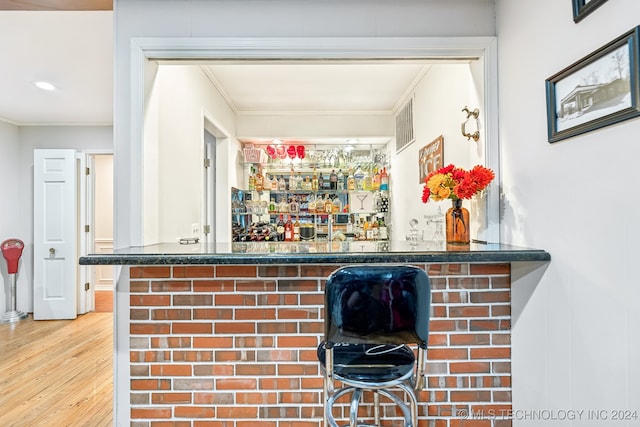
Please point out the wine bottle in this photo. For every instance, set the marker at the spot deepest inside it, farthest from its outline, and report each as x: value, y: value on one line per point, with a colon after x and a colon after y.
x: 288, y: 230
x: 296, y: 230
x: 314, y: 181
x: 333, y: 180
x: 384, y: 180
x: 252, y: 180
x: 340, y: 185
x: 280, y: 229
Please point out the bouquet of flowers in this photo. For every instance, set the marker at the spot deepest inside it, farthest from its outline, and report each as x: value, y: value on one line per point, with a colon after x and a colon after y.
x: 456, y: 183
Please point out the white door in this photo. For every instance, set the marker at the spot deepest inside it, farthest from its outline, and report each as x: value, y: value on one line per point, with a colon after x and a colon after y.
x: 54, y: 234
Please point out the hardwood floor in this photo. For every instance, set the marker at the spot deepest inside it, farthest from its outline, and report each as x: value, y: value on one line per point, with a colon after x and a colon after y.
x: 57, y: 372
x: 104, y: 301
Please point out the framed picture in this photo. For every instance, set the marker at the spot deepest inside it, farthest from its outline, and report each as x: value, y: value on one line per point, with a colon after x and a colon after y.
x: 431, y: 157
x: 582, y: 8
x: 360, y: 202
x: 597, y: 91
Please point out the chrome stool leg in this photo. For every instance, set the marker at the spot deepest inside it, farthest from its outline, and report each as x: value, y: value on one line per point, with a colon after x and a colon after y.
x: 376, y: 407
x: 353, y: 409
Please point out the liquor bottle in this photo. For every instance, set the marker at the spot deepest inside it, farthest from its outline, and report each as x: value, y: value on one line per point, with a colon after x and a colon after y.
x: 340, y: 184
x: 376, y: 179
x: 292, y: 180
x: 296, y: 230
x: 350, y: 225
x: 314, y: 181
x: 280, y: 229
x: 259, y: 181
x: 351, y: 182
x: 288, y: 230
x: 333, y: 180
x: 374, y: 229
x: 320, y: 181
x: 356, y: 230
x: 299, y: 181
x: 282, y: 184
x: 306, y: 184
x: 367, y: 181
x: 311, y: 204
x: 252, y: 180
x: 272, y: 205
x: 294, y: 206
x: 366, y: 234
x: 273, y: 183
x: 384, y: 180
x: 382, y: 229
x: 337, y: 206
x: 358, y: 175
x: 328, y: 205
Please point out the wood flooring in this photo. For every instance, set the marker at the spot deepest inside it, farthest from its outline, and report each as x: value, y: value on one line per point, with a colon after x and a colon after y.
x: 57, y: 372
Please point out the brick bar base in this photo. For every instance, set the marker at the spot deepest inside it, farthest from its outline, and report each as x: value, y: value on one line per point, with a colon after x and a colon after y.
x: 235, y: 346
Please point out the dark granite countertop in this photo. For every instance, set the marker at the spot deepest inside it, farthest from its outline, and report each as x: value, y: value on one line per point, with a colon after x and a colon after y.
x: 314, y: 253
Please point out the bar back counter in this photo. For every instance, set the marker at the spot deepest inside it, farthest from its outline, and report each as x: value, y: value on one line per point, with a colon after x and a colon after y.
x: 225, y: 335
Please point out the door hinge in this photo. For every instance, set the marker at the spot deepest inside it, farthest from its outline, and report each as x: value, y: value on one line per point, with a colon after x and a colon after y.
x: 206, y: 229
x: 87, y: 286
x: 207, y: 163
x: 87, y: 228
x: 87, y: 171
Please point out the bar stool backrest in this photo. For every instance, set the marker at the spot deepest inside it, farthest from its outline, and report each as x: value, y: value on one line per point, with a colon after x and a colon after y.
x: 378, y: 304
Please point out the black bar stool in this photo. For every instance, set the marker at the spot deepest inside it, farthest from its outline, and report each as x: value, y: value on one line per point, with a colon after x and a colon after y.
x: 12, y: 251
x: 371, y: 314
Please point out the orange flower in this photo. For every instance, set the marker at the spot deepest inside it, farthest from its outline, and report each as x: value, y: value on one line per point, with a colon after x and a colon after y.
x: 455, y: 183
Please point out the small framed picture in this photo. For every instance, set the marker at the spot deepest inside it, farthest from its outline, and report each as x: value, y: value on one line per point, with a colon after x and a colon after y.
x: 360, y: 202
x: 581, y: 8
x: 597, y: 91
x: 430, y: 157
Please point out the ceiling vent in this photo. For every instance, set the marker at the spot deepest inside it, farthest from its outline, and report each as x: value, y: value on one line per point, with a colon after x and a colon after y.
x: 404, y: 126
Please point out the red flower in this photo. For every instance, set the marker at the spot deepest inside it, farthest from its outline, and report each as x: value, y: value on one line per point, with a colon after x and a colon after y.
x: 466, y: 188
x: 425, y: 194
x: 456, y: 183
x: 481, y: 175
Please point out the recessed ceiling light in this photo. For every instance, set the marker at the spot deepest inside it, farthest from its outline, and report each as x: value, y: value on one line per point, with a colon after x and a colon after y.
x: 352, y: 141
x: 45, y: 85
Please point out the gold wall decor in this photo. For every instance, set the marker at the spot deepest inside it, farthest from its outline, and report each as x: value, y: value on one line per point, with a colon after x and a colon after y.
x: 431, y: 157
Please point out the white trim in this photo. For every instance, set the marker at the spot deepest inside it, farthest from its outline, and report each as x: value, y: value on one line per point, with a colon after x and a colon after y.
x: 198, y: 49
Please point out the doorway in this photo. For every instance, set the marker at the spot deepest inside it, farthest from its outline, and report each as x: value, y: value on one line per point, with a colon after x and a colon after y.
x: 101, y: 228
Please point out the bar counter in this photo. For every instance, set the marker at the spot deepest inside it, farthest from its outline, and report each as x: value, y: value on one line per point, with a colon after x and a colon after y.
x: 345, y: 252
x: 226, y: 335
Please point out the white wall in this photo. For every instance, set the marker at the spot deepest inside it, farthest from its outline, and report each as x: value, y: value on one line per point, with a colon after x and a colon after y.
x: 81, y: 138
x: 10, y: 212
x: 575, y: 334
x: 438, y: 102
x: 185, y: 96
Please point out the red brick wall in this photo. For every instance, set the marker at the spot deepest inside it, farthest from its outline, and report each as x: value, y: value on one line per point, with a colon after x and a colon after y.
x: 235, y: 346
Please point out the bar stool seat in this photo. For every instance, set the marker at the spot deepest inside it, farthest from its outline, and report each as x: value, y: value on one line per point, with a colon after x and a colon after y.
x: 369, y: 362
x: 372, y: 314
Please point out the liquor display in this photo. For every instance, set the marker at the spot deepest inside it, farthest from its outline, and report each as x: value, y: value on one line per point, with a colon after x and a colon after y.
x: 313, y: 201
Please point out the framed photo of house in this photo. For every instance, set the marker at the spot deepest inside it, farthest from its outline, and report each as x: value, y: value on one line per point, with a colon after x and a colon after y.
x: 581, y: 8
x: 596, y: 91
x: 431, y: 157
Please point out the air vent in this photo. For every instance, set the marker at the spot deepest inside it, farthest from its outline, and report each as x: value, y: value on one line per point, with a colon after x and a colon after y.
x: 404, y: 126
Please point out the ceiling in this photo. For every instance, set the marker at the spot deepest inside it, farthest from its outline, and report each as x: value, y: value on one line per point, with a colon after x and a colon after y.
x: 74, y: 51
